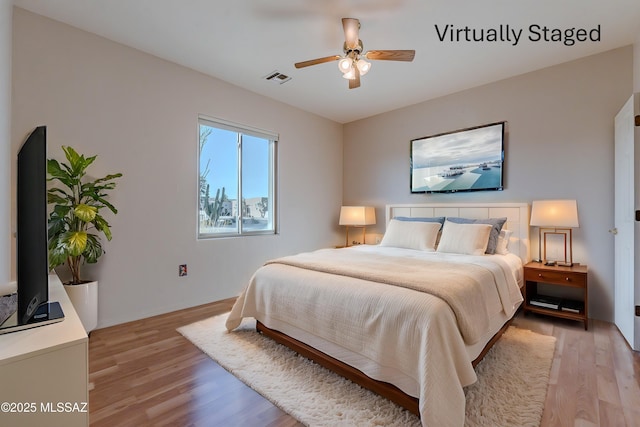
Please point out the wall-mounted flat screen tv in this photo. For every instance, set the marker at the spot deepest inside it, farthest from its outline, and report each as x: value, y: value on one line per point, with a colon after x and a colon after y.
x: 464, y: 160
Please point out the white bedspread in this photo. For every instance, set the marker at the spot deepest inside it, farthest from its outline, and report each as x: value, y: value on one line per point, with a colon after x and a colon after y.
x: 412, y: 333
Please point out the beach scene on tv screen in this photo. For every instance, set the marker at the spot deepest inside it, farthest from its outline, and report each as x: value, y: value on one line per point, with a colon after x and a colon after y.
x: 461, y: 161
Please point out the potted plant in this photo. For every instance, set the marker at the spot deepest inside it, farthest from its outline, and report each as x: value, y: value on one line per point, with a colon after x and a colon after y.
x: 75, y: 223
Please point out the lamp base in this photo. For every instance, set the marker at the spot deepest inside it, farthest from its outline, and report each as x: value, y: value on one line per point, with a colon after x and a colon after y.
x: 346, y: 242
x: 567, y: 243
x: 564, y: 264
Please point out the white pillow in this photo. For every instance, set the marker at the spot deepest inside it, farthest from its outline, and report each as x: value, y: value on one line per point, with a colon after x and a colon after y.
x: 502, y: 247
x: 411, y: 235
x: 468, y: 239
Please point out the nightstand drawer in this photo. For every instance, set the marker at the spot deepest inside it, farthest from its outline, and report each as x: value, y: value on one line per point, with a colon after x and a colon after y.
x: 558, y: 277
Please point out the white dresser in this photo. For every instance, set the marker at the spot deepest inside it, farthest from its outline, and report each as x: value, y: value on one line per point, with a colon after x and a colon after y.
x: 44, y: 373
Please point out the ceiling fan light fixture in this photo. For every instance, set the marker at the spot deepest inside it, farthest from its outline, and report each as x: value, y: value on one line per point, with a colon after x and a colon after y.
x: 353, y: 64
x: 363, y: 66
x: 345, y: 64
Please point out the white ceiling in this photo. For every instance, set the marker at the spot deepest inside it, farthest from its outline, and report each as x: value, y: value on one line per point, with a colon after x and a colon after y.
x: 241, y: 41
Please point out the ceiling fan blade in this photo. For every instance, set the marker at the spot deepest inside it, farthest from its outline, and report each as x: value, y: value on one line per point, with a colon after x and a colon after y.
x: 351, y: 27
x: 391, y: 55
x: 317, y: 61
x: 355, y: 82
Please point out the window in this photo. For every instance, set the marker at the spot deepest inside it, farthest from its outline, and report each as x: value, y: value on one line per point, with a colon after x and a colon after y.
x: 237, y: 174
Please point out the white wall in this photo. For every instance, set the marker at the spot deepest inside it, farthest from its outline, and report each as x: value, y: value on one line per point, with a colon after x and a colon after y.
x: 559, y: 145
x: 6, y: 11
x: 139, y: 114
x: 636, y: 65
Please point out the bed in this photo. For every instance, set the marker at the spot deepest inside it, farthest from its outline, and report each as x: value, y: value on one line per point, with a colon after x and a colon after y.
x: 400, y: 318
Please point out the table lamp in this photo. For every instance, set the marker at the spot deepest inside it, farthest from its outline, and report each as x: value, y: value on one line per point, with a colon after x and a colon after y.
x: 357, y: 216
x: 557, y: 217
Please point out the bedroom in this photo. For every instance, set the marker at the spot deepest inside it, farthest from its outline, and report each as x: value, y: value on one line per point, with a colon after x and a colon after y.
x: 553, y: 113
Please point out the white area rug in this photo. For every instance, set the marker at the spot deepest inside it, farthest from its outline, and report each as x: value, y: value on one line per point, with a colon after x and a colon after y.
x: 510, y: 392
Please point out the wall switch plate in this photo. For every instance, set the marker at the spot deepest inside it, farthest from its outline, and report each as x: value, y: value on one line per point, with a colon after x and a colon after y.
x: 182, y: 270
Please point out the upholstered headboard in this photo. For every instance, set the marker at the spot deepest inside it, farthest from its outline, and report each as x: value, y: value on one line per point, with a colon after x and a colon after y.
x: 517, y: 215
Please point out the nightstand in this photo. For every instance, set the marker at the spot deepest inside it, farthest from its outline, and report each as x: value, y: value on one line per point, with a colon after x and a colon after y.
x: 573, y: 277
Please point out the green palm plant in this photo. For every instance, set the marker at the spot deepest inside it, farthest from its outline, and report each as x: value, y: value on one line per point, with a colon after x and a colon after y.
x: 76, y: 213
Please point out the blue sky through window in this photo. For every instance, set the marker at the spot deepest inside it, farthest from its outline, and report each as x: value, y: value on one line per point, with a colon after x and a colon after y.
x: 221, y: 151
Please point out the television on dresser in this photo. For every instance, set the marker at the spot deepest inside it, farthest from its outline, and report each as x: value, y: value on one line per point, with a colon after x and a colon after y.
x: 33, y: 306
x: 469, y: 159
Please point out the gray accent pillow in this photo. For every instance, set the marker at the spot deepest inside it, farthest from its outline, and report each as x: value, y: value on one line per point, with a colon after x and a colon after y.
x: 439, y: 219
x: 496, y: 223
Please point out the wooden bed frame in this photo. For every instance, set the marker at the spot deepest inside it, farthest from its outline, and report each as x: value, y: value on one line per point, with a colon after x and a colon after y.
x: 382, y: 388
x: 517, y: 221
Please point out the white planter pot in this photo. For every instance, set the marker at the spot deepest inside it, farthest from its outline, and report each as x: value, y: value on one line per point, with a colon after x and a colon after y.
x: 84, y: 298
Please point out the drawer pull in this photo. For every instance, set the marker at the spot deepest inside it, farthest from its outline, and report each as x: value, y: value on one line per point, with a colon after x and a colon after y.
x: 568, y: 279
x: 539, y: 274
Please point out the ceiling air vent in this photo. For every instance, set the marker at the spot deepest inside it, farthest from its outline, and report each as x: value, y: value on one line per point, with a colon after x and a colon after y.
x: 277, y: 77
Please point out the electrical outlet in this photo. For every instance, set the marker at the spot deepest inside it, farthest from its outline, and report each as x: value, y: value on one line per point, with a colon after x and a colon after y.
x: 182, y: 270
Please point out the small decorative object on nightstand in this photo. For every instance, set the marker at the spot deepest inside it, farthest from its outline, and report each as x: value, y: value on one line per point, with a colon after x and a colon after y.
x: 574, y: 277
x: 357, y: 216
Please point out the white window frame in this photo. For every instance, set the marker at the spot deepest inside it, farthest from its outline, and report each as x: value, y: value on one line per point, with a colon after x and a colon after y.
x: 273, y: 174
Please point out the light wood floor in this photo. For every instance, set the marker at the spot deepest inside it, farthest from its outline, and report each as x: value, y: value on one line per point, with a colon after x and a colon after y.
x: 144, y: 373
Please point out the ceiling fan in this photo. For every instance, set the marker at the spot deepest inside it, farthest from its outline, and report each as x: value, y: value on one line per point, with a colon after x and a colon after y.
x: 353, y: 63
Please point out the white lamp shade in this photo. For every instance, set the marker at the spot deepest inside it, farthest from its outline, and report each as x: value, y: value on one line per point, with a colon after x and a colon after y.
x: 349, y: 75
x: 345, y: 64
x: 357, y: 215
x: 363, y: 66
x: 554, y: 213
